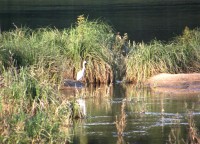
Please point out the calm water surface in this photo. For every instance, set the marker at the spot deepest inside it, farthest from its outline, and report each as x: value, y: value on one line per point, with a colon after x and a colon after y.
x: 142, y: 20
x: 152, y: 118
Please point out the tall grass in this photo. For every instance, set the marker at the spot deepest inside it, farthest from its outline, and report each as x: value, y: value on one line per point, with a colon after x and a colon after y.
x: 27, y: 47
x: 63, y: 50
x: 91, y: 41
x: 178, y: 56
x: 31, y: 109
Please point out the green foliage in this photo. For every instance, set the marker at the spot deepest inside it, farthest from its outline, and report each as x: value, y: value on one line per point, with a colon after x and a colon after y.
x: 24, y: 47
x: 89, y: 39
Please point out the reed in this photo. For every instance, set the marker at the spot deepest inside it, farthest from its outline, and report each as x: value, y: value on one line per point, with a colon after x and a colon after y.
x: 178, y: 56
x: 175, y: 135
x: 193, y: 132
x: 193, y: 136
x: 30, y: 110
x: 27, y: 47
x: 65, y: 49
x: 91, y: 41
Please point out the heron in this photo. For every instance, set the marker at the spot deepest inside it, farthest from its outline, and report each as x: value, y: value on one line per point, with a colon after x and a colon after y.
x: 80, y: 74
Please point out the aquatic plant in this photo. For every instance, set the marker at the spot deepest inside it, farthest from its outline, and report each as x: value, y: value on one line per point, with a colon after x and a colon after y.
x: 193, y: 132
x: 175, y: 131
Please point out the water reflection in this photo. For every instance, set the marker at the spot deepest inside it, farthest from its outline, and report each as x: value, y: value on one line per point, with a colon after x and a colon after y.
x: 82, y: 105
x: 150, y: 117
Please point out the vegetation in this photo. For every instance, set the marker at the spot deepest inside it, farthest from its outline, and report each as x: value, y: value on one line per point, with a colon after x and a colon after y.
x: 30, y: 110
x: 192, y: 132
x: 62, y: 52
x: 91, y: 41
x: 178, y: 56
x: 33, y: 64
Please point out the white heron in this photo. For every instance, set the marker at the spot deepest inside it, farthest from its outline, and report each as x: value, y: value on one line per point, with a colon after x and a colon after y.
x: 80, y: 74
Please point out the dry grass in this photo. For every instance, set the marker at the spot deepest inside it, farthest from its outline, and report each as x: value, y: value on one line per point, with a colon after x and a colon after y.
x: 193, y: 132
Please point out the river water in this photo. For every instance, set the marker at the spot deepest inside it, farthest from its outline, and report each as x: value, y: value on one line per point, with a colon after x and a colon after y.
x: 142, y: 20
x: 151, y: 117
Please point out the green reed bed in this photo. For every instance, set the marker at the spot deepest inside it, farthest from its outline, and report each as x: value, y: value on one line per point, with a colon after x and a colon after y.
x: 65, y: 49
x: 91, y: 41
x: 26, y: 46
x: 178, y: 56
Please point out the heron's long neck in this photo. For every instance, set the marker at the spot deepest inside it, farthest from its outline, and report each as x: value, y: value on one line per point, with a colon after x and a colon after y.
x: 83, y: 67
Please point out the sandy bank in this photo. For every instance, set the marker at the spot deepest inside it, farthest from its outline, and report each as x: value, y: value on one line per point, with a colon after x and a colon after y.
x: 175, y: 83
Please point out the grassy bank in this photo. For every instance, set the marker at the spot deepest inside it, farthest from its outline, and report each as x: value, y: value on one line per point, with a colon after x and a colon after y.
x: 182, y: 55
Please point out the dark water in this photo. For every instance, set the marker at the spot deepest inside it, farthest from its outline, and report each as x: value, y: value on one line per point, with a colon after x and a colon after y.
x: 152, y: 118
x: 142, y: 20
